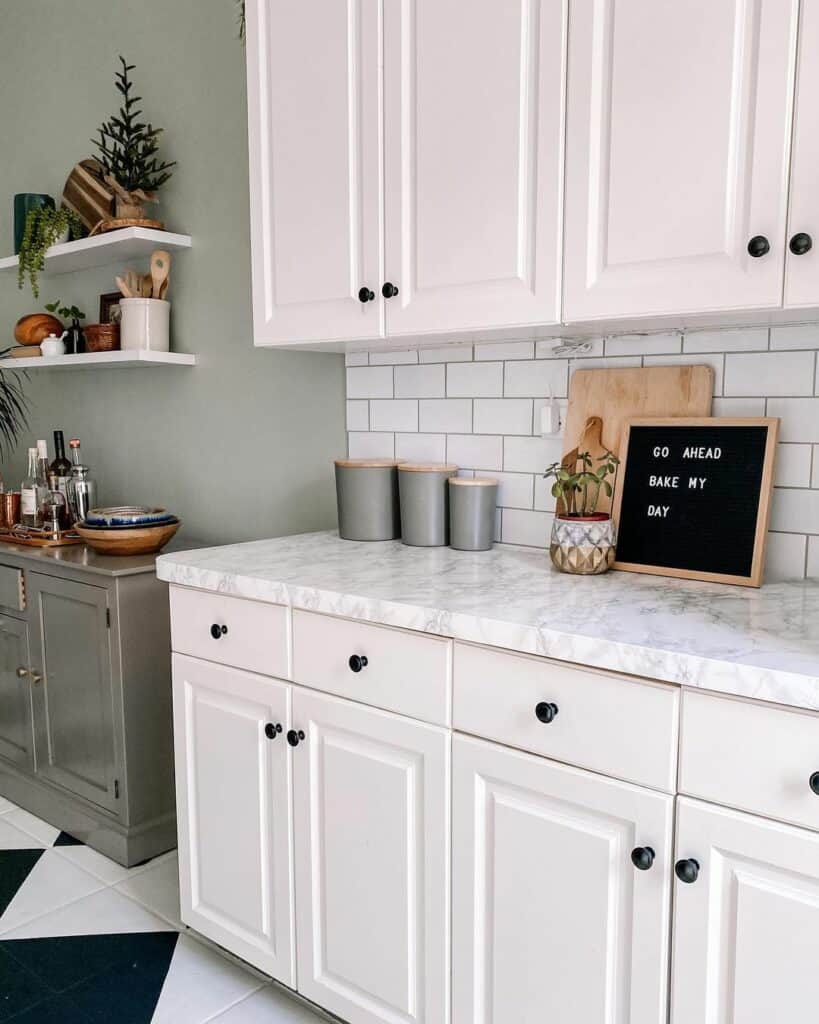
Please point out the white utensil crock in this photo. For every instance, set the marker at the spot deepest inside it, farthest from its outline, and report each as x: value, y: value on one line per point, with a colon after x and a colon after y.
x: 145, y: 324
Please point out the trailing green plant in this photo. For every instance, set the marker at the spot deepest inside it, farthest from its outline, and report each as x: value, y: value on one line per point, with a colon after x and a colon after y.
x: 43, y: 227
x: 128, y: 147
x: 65, y: 312
x: 14, y: 408
x: 580, y: 486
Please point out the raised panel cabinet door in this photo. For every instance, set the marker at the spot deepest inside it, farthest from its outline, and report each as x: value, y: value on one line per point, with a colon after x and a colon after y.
x: 677, y: 153
x: 77, y: 743
x: 234, y: 811
x: 371, y: 792
x: 802, y: 266
x: 314, y: 114
x: 16, y: 733
x: 552, y: 921
x: 746, y: 931
x: 473, y: 134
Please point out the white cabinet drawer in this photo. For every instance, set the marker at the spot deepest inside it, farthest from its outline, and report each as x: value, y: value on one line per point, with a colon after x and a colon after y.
x: 231, y: 631
x: 751, y: 756
x: 620, y: 727
x: 404, y: 672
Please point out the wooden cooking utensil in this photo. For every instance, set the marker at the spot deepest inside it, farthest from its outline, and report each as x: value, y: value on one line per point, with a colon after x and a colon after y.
x: 163, y: 291
x: 160, y: 268
x: 122, y: 284
x: 134, y: 282
x: 146, y: 287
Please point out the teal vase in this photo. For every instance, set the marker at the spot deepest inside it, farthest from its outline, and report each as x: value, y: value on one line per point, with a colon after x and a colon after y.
x: 23, y: 202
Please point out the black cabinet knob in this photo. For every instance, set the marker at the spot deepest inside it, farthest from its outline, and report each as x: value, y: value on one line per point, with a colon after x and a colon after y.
x: 642, y: 857
x: 546, y: 712
x: 357, y: 662
x: 389, y: 290
x: 272, y: 731
x: 217, y: 631
x: 813, y: 782
x: 365, y: 295
x: 800, y: 243
x: 294, y: 737
x: 759, y: 246
x: 687, y: 870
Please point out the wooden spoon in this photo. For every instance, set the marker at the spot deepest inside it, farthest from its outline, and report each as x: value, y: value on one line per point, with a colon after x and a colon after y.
x: 160, y: 268
x: 124, y: 289
x: 146, y: 286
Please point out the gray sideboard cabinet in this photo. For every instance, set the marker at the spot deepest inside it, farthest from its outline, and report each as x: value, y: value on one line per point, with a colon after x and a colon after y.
x: 85, y: 697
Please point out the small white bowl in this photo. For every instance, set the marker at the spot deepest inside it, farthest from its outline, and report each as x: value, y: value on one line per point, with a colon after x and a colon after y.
x: 52, y: 346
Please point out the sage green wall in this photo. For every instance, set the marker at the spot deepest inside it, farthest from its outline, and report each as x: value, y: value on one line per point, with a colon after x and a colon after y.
x: 239, y: 446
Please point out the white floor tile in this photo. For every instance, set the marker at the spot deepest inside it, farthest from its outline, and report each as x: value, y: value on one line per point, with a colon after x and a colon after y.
x: 12, y: 838
x: 269, y: 1006
x: 6, y: 805
x: 101, y: 913
x: 200, y: 985
x: 157, y: 888
x: 33, y: 825
x: 51, y: 884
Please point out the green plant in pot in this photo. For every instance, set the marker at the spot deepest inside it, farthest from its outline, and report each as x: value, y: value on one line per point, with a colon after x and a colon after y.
x: 74, y: 338
x: 583, y: 539
x: 44, y: 227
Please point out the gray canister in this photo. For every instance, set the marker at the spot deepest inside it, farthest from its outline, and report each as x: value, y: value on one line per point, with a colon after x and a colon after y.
x: 472, y: 504
x: 367, y: 495
x: 425, y: 503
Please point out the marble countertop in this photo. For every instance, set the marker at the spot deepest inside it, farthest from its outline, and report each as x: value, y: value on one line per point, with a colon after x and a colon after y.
x: 756, y: 643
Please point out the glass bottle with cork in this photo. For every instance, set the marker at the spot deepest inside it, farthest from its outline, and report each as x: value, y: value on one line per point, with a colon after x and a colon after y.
x: 82, y: 490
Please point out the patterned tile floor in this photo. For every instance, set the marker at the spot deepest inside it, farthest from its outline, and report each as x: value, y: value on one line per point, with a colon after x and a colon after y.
x: 83, y: 940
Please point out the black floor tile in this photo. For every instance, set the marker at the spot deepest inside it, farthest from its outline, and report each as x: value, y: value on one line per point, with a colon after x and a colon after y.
x: 64, y: 839
x: 57, y: 1010
x: 19, y: 988
x: 15, y: 867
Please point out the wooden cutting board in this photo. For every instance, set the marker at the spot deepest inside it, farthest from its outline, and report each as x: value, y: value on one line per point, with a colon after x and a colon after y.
x: 617, y: 395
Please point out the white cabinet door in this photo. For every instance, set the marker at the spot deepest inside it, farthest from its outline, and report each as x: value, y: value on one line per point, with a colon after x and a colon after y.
x: 746, y: 932
x: 677, y: 149
x: 802, y: 268
x: 314, y: 110
x: 552, y: 921
x: 473, y: 119
x: 234, y: 811
x: 372, y: 862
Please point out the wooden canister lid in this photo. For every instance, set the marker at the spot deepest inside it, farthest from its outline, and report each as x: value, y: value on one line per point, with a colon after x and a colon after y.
x: 472, y: 481
x: 368, y: 463
x: 427, y: 467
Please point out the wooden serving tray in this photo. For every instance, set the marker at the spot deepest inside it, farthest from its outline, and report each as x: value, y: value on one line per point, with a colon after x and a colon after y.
x: 38, y: 539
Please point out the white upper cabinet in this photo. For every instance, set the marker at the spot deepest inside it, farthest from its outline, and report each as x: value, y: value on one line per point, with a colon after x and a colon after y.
x: 802, y: 268
x: 677, y: 154
x: 746, y: 930
x: 315, y: 181
x: 473, y: 125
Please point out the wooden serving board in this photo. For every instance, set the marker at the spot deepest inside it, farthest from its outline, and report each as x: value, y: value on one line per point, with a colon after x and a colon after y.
x: 34, y: 539
x: 618, y: 395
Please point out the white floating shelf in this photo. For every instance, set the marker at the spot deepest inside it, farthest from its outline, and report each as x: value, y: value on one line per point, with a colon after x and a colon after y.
x: 99, y: 360
x: 113, y: 247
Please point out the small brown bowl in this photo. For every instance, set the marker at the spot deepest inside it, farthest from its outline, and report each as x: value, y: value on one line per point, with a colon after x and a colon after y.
x: 101, y: 337
x: 142, y: 541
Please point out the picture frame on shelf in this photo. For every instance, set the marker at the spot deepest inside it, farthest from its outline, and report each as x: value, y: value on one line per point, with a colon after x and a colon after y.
x: 110, y: 312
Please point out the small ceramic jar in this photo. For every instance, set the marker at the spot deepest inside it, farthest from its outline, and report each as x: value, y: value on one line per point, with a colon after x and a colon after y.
x: 425, y: 503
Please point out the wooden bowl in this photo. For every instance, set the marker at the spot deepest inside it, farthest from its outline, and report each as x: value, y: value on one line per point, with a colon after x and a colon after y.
x: 141, y: 541
x: 31, y: 329
x: 101, y: 337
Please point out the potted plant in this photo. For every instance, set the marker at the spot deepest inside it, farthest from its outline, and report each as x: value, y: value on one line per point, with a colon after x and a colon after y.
x: 74, y: 341
x: 45, y: 226
x: 129, y: 154
x: 583, y: 539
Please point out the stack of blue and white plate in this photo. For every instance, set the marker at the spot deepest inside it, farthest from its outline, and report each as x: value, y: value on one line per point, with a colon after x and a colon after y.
x: 127, y: 529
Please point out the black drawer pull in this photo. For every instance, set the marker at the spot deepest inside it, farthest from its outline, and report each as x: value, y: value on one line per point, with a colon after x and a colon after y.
x: 546, y: 712
x: 642, y: 857
x: 272, y: 731
x: 217, y: 631
x: 813, y: 782
x: 357, y: 662
x: 294, y: 737
x: 687, y: 870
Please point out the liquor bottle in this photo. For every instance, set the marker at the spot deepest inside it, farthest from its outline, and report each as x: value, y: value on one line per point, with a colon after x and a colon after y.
x: 43, y: 470
x: 60, y: 467
x: 82, y: 490
x: 29, y: 505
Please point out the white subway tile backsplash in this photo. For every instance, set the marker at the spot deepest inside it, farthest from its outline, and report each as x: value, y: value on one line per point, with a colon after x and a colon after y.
x: 795, y: 510
x: 503, y: 416
x: 527, y: 527
x: 795, y: 336
x: 475, y: 451
x: 793, y: 465
x: 536, y: 378
x: 393, y: 358
x: 474, y: 380
x: 607, y: 363
x: 421, y: 447
x: 445, y: 415
x: 785, y: 557
x: 769, y: 373
x: 530, y: 454
x: 514, y: 489
x: 643, y: 344
x: 419, y: 381
x: 738, y: 407
x: 800, y: 418
x: 544, y: 500
x: 358, y: 415
x: 813, y: 558
x: 370, y: 445
x: 505, y: 350
x: 369, y: 382
x: 744, y: 339
x: 815, y: 474
x: 447, y: 354
x: 394, y: 414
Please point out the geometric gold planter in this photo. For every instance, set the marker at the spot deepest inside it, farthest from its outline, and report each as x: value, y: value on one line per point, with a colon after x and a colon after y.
x: 583, y: 545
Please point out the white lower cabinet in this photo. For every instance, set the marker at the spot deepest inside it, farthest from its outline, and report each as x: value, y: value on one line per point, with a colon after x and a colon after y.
x: 371, y: 795
x: 234, y: 811
x: 551, y: 919
x: 746, y: 930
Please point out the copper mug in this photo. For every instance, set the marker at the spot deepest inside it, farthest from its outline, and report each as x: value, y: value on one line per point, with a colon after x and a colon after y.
x: 9, y: 509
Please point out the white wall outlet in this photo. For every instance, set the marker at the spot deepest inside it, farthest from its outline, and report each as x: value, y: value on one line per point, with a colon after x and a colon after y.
x: 550, y: 418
